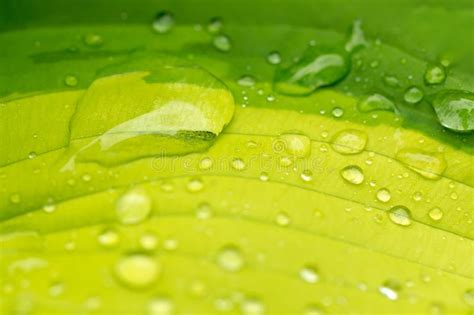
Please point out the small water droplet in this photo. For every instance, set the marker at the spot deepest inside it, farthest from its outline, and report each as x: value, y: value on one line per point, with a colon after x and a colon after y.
x: 353, y: 174
x: 160, y: 306
x: 203, y: 211
x: 413, y: 95
x: 427, y: 164
x: 93, y: 40
x: 49, y: 207
x: 285, y: 161
x: 71, y: 80
x: 309, y: 274
x: 296, y: 144
x: 86, y: 178
x: 349, y: 141
x: 133, y: 207
x: 56, y: 289
x: 32, y: 155
x: 108, y: 238
x: 391, y: 81
x: 282, y: 219
x: 148, y: 241
x: 313, y: 309
x: 436, y: 214
x: 384, y: 195
x: 274, y: 58
x: 252, y: 306
x: 264, y: 176
x: 229, y: 258
x: 222, y: 43
x: 163, y: 22
x: 307, y: 175
x: 435, y: 74
x: 15, y: 198
x: 337, y: 112
x: 390, y: 289
x: 469, y: 297
x: 195, y: 184
x: 205, y: 163
x: 238, y: 164
x: 215, y: 25
x: 400, y: 215
x: 246, y: 80
x: 270, y: 98
x: 137, y: 271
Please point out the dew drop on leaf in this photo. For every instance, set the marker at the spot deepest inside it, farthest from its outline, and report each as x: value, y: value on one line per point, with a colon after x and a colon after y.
x: 309, y: 274
x: 413, y: 95
x: 93, y: 40
x: 375, y: 102
x: 400, y: 215
x: 246, y: 81
x: 252, y: 306
x: 238, y: 164
x: 282, y: 219
x: 436, y: 214
x: 306, y: 175
x: 160, y: 306
x: 70, y: 80
x: 427, y: 164
x: 229, y: 258
x: 133, y: 207
x: 203, y: 211
x: 353, y: 174
x: 195, y: 184
x: 215, y: 25
x: 434, y: 74
x: 296, y: 144
x: 274, y: 58
x: 337, y: 112
x: 137, y: 270
x: 349, y: 141
x: 390, y: 289
x: 384, y: 195
x: 222, y: 43
x: 148, y: 241
x: 455, y: 109
x: 108, y: 238
x: 206, y: 163
x: 15, y: 198
x: 163, y: 22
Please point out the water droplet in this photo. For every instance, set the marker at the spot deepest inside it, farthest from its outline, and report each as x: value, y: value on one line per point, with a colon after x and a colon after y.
x: 337, y: 112
x: 376, y: 102
x: 229, y: 258
x: 469, y: 297
x: 435, y: 74
x: 413, y: 95
x: 309, y: 274
x: 133, y: 207
x: 353, y: 174
x: 455, y: 109
x: 285, y: 161
x: 270, y: 98
x: 206, y: 163
x: 374, y: 64
x: 264, y: 176
x: 203, y: 211
x: 274, y: 58
x: 222, y: 43
x: 93, y: 40
x: 282, y: 219
x: 137, y: 271
x: 246, y: 80
x: 163, y: 22
x: 436, y: 214
x: 391, y: 81
x: 252, y: 306
x: 384, y: 195
x: 400, y: 215
x: 32, y: 155
x: 417, y: 196
x: 307, y: 175
x: 317, y: 67
x: 49, y: 207
x: 215, y: 25
x: 296, y: 144
x: 390, y: 289
x: 170, y: 244
x: 349, y: 141
x: 56, y: 289
x: 148, y: 241
x: 160, y: 306
x: 70, y: 80
x: 86, y: 177
x: 427, y: 164
x: 238, y: 164
x: 108, y: 238
x: 15, y: 198
x: 195, y: 184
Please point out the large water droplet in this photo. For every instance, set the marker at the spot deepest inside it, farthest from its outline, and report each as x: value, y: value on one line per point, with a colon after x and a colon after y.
x: 229, y: 258
x: 413, y: 95
x: 137, y: 271
x: 455, y: 109
x: 390, y: 289
x: 317, y: 67
x: 376, y: 102
x: 133, y: 207
x: 222, y: 43
x: 163, y: 22
x: 434, y: 74
x: 400, y: 215
x: 427, y: 164
x: 349, y: 141
x: 353, y: 174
